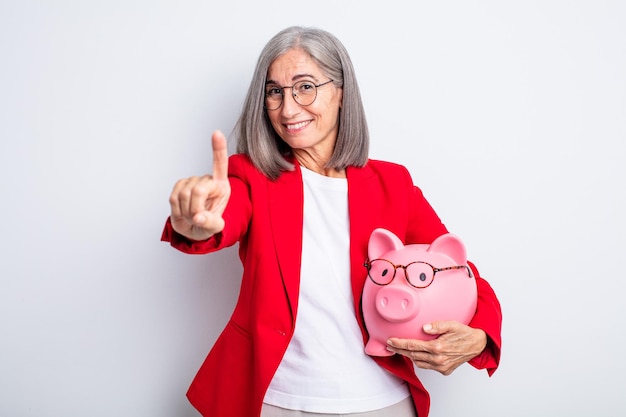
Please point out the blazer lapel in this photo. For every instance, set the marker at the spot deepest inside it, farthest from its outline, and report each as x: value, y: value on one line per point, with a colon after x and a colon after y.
x: 361, y: 226
x: 286, y: 206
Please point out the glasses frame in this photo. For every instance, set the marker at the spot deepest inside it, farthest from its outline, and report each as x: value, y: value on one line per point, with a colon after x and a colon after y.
x: 368, y: 265
x: 294, y: 94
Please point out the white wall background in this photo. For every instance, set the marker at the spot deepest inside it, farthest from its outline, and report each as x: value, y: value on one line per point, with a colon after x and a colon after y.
x: 511, y: 116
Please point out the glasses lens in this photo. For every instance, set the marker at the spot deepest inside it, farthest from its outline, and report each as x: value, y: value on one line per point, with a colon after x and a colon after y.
x: 273, y: 97
x: 304, y: 92
x: 420, y: 274
x: 381, y: 271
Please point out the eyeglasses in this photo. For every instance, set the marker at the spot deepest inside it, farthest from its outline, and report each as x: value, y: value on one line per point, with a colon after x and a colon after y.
x: 303, y: 92
x: 418, y: 274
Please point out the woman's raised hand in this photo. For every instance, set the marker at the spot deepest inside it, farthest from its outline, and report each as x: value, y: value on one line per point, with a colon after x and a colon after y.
x: 198, y: 203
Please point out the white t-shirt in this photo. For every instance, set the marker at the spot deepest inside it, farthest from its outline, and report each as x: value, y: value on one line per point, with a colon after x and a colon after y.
x: 325, y: 368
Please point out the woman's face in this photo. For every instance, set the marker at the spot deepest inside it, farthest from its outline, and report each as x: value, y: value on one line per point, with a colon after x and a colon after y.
x: 311, y: 130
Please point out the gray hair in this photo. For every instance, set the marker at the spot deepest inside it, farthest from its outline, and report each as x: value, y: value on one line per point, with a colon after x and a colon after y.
x: 255, y: 135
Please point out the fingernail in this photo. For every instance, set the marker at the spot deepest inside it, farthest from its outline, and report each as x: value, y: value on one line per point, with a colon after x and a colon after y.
x: 428, y: 327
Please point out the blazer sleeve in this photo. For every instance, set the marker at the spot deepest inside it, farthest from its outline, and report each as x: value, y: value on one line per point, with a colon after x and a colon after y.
x: 488, y: 317
x: 424, y: 227
x: 237, y: 215
x: 424, y: 223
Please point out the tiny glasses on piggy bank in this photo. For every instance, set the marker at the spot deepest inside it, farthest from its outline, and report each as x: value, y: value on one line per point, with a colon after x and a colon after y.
x: 418, y: 274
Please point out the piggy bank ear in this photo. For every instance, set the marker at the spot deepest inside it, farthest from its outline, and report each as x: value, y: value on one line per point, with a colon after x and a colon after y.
x: 382, y: 241
x: 450, y: 245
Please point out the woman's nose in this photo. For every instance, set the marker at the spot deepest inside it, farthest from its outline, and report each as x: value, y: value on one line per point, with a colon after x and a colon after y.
x: 290, y: 105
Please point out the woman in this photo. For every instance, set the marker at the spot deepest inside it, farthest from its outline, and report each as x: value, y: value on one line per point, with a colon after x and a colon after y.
x: 301, y: 198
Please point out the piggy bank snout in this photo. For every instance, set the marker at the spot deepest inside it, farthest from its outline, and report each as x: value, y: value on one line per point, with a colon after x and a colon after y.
x: 397, y: 303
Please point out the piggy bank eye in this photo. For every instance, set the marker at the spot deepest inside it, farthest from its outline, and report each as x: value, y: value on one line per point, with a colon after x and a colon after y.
x: 420, y: 274
x: 381, y: 271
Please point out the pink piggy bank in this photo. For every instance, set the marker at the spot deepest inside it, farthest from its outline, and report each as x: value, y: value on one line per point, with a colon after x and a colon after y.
x: 409, y: 286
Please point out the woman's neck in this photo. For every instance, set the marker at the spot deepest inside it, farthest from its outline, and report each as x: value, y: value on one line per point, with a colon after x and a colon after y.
x: 318, y: 165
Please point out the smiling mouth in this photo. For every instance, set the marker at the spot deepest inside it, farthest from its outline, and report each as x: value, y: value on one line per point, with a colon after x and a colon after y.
x: 297, y: 126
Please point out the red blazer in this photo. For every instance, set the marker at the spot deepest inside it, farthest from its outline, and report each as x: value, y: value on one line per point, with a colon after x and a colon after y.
x: 265, y: 217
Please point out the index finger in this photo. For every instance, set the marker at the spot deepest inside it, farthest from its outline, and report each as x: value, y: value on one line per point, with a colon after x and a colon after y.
x: 220, y: 156
x: 413, y: 345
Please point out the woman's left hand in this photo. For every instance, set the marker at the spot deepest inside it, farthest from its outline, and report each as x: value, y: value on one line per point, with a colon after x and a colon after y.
x: 455, y: 345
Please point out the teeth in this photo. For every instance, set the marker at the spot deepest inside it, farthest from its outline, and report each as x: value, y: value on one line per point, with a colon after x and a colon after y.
x: 297, y: 125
